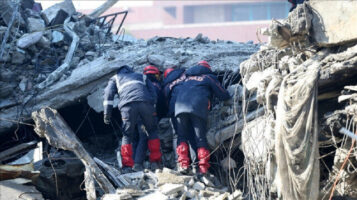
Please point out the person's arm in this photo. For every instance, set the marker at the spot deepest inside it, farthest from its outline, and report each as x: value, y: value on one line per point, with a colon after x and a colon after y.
x: 109, y: 93
x: 218, y: 90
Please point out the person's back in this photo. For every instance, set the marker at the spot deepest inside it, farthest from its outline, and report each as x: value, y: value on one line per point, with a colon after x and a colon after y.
x: 132, y: 88
x: 191, y: 111
x: 198, y: 90
x: 171, y: 86
x: 136, y: 101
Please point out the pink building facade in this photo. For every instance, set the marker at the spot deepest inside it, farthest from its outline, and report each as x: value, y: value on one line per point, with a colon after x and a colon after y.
x: 236, y: 20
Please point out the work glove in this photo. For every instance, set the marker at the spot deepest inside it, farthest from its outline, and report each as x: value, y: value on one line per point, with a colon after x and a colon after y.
x: 107, y: 119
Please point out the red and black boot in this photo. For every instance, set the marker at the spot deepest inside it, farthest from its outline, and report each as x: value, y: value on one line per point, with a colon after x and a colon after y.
x: 183, y: 159
x: 203, y: 155
x: 126, y: 152
x: 155, y: 153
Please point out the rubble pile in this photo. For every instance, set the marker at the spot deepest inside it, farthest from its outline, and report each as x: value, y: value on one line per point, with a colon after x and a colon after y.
x: 291, y: 97
x: 303, y: 78
x: 169, y: 184
x: 34, y: 43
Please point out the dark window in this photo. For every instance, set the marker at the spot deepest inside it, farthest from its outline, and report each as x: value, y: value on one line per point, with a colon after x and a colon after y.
x: 171, y: 11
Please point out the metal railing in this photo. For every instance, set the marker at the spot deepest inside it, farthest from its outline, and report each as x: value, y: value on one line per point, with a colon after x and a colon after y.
x: 103, y: 23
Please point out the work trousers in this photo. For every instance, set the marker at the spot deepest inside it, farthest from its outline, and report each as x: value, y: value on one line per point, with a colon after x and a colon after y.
x: 131, y: 113
x: 190, y: 138
x: 140, y: 143
x: 185, y: 123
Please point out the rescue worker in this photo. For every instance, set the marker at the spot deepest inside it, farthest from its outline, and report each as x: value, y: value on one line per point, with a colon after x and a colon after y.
x: 192, y: 105
x: 140, y: 136
x: 173, y: 79
x: 136, y: 100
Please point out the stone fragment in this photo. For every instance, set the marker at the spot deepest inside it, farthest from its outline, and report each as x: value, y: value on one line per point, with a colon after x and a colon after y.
x: 154, y: 196
x: 58, y: 12
x: 167, y: 170
x: 57, y: 37
x: 191, y: 182
x: 164, y: 178
x: 191, y: 193
x: 183, y: 196
x: 169, y: 189
x: 236, y: 195
x: 333, y: 22
x: 222, y: 196
x: 157, y: 60
x: 35, y: 24
x: 23, y: 84
x: 90, y: 53
x: 198, y: 186
x: 122, y: 196
x: 29, y: 39
x: 206, y: 181
x: 207, y: 193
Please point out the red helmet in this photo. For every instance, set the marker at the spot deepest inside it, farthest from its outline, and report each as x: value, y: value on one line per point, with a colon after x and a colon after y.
x: 151, y: 70
x: 168, y: 71
x: 204, y: 63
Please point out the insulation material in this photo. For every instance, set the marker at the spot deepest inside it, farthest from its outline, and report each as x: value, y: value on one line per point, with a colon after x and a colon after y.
x: 296, y: 132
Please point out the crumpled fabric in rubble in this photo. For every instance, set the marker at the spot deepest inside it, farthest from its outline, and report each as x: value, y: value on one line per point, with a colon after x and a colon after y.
x: 296, y: 132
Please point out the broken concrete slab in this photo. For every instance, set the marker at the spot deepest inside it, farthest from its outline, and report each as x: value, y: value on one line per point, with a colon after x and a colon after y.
x: 155, y: 195
x: 170, y: 189
x: 10, y: 190
x: 35, y: 24
x: 29, y: 39
x: 169, y: 178
x: 123, y: 196
x: 57, y: 37
x: 57, y: 11
x: 334, y: 28
x: 157, y: 60
x: 199, y: 186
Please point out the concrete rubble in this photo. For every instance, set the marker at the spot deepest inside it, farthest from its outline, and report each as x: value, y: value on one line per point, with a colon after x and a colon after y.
x: 308, y: 39
x: 44, y: 66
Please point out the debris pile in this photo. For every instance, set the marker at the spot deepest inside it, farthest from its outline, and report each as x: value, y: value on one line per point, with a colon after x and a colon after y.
x: 35, y: 43
x: 295, y: 149
x: 291, y: 98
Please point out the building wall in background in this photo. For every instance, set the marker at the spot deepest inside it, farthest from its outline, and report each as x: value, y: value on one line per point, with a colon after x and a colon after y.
x: 226, y: 20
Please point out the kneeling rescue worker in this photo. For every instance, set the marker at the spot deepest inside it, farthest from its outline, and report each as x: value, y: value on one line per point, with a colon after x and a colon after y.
x: 192, y: 105
x: 136, y: 101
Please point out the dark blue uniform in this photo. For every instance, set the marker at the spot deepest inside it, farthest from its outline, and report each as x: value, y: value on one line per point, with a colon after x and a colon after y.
x: 136, y: 100
x: 140, y: 137
x: 193, y: 102
x: 171, y: 86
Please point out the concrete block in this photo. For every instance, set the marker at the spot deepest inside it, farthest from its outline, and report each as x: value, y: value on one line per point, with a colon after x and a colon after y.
x: 29, y: 39
x: 199, y: 186
x: 154, y: 196
x: 334, y: 22
x: 170, y: 189
x: 35, y: 24
x: 59, y: 11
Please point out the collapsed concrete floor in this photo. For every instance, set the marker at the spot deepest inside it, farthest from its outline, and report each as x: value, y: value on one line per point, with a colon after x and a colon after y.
x: 293, y: 94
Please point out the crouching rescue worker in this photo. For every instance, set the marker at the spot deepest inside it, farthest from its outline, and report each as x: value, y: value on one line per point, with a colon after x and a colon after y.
x: 192, y: 105
x: 173, y: 80
x: 140, y: 136
x: 136, y: 100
